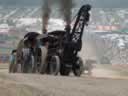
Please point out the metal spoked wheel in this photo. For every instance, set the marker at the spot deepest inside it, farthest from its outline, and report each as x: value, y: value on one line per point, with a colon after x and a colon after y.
x: 65, y: 71
x: 28, y: 64
x: 78, y: 67
x: 18, y: 68
x: 54, y: 65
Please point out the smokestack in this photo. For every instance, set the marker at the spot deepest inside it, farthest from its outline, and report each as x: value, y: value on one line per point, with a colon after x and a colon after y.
x: 66, y: 10
x: 46, y: 14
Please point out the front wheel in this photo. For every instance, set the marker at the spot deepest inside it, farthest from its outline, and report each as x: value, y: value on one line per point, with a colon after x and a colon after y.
x: 78, y: 67
x: 65, y: 71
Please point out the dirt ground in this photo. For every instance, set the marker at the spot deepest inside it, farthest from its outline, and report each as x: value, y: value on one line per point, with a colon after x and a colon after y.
x: 44, y: 85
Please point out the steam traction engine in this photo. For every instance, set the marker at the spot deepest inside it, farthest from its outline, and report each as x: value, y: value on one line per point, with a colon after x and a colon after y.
x: 63, y: 49
x: 65, y: 45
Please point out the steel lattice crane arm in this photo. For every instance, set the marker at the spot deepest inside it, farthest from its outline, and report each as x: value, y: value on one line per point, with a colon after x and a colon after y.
x: 81, y: 20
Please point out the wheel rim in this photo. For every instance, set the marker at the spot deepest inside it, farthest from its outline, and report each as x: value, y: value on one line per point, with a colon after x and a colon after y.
x: 19, y: 68
x: 78, y: 71
x: 54, y: 65
x: 28, y: 63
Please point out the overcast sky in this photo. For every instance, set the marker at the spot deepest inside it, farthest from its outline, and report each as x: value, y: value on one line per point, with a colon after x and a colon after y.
x: 95, y: 3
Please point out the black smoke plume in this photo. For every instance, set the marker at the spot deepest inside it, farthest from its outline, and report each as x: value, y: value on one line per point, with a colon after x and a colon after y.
x: 65, y: 11
x: 46, y: 14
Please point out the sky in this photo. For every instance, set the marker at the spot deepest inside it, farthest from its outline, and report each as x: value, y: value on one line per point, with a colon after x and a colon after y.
x: 94, y: 3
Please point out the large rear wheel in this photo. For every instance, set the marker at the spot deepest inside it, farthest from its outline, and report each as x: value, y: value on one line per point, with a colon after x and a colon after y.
x: 15, y: 68
x: 18, y: 68
x: 11, y: 68
x: 54, y: 65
